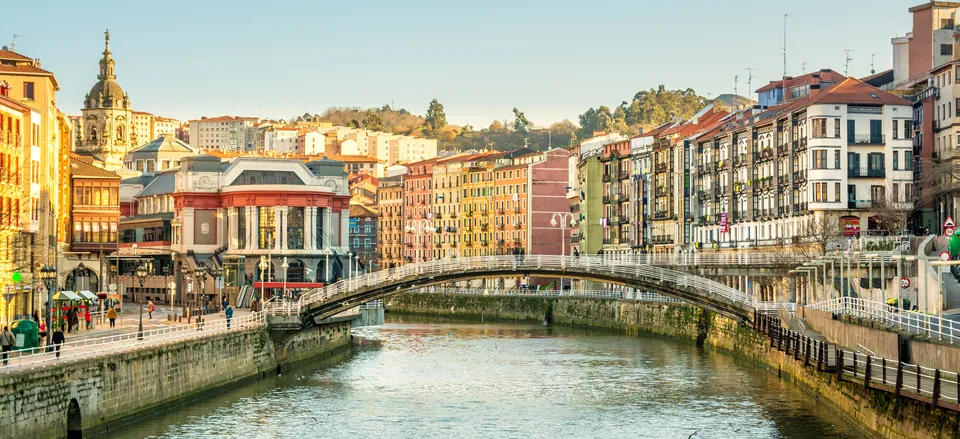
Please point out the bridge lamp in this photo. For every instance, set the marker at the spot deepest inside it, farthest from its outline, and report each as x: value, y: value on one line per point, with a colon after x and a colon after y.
x: 285, y: 266
x: 142, y: 277
x: 263, y: 281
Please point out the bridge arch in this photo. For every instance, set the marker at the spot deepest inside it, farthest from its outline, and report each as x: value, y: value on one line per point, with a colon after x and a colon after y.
x: 331, y: 300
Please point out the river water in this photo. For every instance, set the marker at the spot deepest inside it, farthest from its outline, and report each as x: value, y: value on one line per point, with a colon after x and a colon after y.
x: 432, y: 378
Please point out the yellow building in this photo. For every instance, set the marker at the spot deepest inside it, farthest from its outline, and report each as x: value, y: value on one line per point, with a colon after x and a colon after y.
x: 447, y: 211
x: 33, y: 87
x: 476, y: 205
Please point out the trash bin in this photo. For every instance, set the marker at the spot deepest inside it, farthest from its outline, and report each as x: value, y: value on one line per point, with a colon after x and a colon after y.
x: 26, y: 333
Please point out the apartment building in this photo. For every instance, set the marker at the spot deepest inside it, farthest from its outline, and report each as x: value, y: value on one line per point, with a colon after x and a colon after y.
x: 390, y: 232
x: 281, y: 140
x: 418, y: 211
x: 224, y: 133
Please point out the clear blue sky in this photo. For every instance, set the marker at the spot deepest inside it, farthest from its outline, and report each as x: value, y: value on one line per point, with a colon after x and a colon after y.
x: 552, y: 59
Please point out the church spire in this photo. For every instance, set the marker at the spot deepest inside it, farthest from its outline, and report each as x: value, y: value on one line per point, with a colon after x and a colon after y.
x: 106, y: 63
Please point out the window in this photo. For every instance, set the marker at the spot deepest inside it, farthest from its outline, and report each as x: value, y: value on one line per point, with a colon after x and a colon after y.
x: 896, y: 192
x: 820, y: 159
x: 150, y: 166
x: 896, y: 126
x: 241, y: 227
x: 28, y: 91
x: 140, y: 165
x: 836, y: 159
x: 319, y: 229
x: 819, y: 127
x: 820, y: 192
x: 836, y: 128
x: 836, y: 192
x: 295, y: 228
x: 908, y: 160
x: 267, y: 227
x: 946, y: 49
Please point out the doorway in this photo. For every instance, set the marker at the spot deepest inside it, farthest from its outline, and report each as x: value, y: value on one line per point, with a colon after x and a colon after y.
x: 74, y: 423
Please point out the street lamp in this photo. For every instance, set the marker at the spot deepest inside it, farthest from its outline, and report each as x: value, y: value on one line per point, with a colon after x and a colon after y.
x: 142, y: 277
x: 48, y: 276
x: 349, y: 267
x: 285, y: 266
x: 419, y: 227
x: 564, y: 218
x: 166, y: 276
x: 217, y: 272
x: 263, y: 282
x: 326, y: 265
x: 356, y: 266
x: 201, y: 273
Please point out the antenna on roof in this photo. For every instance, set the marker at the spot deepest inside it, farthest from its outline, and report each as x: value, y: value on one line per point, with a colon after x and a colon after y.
x: 736, y: 83
x: 749, y: 82
x: 846, y: 65
x: 784, y: 48
x: 13, y: 44
x: 803, y: 67
x: 873, y: 57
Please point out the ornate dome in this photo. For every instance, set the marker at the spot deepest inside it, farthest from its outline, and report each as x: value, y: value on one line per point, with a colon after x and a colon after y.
x: 110, y: 90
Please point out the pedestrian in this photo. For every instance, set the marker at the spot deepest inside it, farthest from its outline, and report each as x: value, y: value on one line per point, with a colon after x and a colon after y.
x: 86, y: 317
x: 72, y: 319
x: 229, y: 314
x: 58, y: 340
x: 112, y: 315
x: 225, y: 303
x: 6, y: 343
x: 150, y: 308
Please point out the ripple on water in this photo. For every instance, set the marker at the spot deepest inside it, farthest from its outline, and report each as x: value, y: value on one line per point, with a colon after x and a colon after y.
x: 507, y: 381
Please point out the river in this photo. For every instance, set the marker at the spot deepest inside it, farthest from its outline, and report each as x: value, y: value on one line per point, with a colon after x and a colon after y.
x: 433, y: 378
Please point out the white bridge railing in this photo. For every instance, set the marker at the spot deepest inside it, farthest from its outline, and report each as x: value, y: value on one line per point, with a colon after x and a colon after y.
x: 628, y: 267
x: 45, y: 356
x: 645, y: 296
x: 929, y: 325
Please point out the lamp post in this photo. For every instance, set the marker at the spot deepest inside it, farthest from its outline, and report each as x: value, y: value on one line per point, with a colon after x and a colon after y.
x: 263, y: 281
x: 284, y: 266
x: 326, y: 265
x: 564, y: 219
x: 185, y: 274
x: 166, y: 286
x: 48, y: 276
x: 217, y: 272
x: 419, y: 227
x: 349, y: 268
x: 201, y: 273
x: 142, y: 277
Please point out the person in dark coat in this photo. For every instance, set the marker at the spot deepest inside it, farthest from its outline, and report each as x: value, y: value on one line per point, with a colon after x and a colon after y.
x: 58, y: 340
x: 229, y: 314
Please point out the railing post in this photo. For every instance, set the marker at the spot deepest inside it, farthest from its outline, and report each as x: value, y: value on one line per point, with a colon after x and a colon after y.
x: 866, y: 375
x: 854, y: 364
x: 918, y: 380
x: 806, y: 358
x: 899, y: 383
x: 883, y: 372
x: 936, y: 387
x: 839, y: 364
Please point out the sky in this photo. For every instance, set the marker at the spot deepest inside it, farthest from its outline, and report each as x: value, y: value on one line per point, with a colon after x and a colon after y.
x: 480, y: 59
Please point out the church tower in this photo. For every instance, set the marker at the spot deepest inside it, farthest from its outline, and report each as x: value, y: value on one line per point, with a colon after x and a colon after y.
x: 105, y: 128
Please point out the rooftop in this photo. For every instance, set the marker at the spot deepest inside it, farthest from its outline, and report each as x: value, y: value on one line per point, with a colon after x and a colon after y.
x: 80, y: 168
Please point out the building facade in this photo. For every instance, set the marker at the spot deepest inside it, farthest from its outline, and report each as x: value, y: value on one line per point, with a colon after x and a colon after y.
x: 390, y: 233
x: 363, y: 236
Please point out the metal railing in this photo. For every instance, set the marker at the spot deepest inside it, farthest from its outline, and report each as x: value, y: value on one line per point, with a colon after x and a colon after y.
x: 931, y: 326
x: 629, y: 267
x: 903, y: 379
x: 643, y: 296
x: 99, y: 346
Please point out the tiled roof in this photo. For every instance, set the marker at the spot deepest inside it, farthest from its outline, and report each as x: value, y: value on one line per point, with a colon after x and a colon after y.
x: 9, y: 54
x: 13, y: 104
x: 824, y: 75
x: 855, y: 91
x: 80, y: 168
x: 220, y: 119
x: 655, y: 132
x: 361, y: 211
x: 23, y: 68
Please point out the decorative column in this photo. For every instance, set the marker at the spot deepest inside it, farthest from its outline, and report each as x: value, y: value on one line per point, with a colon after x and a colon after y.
x: 345, y: 228
x: 284, y: 227
x: 232, y: 228
x: 252, y: 231
x: 277, y: 228
x: 310, y: 227
x: 186, y: 227
x: 327, y: 227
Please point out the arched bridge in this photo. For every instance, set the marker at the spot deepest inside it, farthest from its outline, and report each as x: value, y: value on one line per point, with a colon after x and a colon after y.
x: 326, y: 302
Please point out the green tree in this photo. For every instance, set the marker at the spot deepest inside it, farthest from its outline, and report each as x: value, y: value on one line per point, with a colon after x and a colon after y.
x: 372, y: 121
x: 520, y: 122
x: 620, y: 121
x: 435, y: 119
x: 496, y: 126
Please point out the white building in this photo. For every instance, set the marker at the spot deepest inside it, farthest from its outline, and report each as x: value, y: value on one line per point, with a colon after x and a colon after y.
x: 282, y: 140
x: 313, y: 143
x: 225, y: 133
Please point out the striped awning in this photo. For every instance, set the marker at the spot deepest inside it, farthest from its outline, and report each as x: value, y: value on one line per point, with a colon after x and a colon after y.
x: 66, y: 295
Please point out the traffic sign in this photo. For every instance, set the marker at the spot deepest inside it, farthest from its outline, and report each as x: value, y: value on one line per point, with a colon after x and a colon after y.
x: 42, y: 289
x: 948, y: 231
x: 944, y: 256
x: 112, y: 287
x: 949, y: 222
x: 904, y: 282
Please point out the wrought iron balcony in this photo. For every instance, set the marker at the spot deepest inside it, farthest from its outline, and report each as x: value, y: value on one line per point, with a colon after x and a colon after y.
x: 865, y: 171
x: 868, y: 139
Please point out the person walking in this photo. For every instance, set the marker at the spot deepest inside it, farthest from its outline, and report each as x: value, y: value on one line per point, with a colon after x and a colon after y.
x: 112, y: 315
x: 86, y: 317
x: 6, y: 343
x: 229, y: 314
x: 58, y: 340
x: 150, y: 308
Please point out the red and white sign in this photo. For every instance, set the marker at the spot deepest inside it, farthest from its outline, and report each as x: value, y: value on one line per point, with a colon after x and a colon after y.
x: 944, y: 256
x: 948, y: 231
x: 904, y: 282
x: 949, y: 226
x: 724, y: 226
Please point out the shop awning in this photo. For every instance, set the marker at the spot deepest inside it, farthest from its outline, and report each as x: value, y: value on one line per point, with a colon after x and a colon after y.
x: 86, y: 294
x: 66, y: 295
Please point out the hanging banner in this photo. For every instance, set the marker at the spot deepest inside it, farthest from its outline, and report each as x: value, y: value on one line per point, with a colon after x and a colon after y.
x: 724, y: 225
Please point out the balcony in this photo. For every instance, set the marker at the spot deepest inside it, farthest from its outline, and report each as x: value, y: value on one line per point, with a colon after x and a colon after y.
x: 936, y: 125
x: 622, y: 197
x: 662, y: 239
x: 607, y: 241
x: 867, y: 139
x: 740, y: 160
x: 625, y: 175
x: 803, y: 143
x: 867, y: 172
x: 661, y: 192
x: 606, y: 177
x: 483, y: 243
x: 661, y: 167
x: 500, y: 226
x: 662, y: 215
x: 614, y: 219
x: 799, y: 176
x: 766, y: 154
x: 11, y: 139
x: 606, y: 199
x: 453, y: 215
x: 783, y: 150
x: 500, y: 242
x: 861, y: 204
x: 624, y: 220
x: 484, y: 228
x: 438, y: 215
x: 501, y: 212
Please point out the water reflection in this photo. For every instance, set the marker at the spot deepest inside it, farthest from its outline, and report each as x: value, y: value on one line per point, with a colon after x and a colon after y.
x: 427, y: 378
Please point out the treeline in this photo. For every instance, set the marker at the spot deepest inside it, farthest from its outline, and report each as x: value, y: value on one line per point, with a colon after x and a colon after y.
x: 647, y: 109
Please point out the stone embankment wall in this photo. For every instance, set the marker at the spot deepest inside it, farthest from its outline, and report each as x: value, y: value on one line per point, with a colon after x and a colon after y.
x: 116, y: 389
x: 878, y: 413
